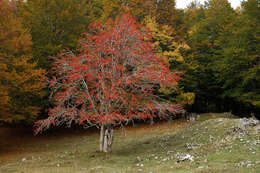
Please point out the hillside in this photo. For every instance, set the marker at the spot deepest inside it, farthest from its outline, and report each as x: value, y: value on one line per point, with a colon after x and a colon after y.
x: 212, y: 144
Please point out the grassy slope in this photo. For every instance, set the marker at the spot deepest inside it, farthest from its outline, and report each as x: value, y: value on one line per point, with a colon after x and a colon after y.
x: 153, y: 148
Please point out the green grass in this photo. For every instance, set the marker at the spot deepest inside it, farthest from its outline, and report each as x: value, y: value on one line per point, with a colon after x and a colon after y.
x: 144, y: 149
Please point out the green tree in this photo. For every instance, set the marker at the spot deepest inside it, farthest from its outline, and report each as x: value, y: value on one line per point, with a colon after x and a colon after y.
x: 57, y: 24
x: 242, y: 57
x: 223, y: 56
x: 207, y: 41
x: 194, y: 13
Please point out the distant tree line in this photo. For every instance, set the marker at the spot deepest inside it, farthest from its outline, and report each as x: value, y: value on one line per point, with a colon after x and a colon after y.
x: 215, y: 47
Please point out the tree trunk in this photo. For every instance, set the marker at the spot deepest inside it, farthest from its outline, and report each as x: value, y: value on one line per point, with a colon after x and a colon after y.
x: 102, y: 134
x: 106, y: 138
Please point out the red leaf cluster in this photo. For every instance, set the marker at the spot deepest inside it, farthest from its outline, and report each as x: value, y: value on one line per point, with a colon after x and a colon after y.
x: 111, y: 80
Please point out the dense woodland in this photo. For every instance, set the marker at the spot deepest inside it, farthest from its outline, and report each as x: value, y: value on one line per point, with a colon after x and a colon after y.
x: 215, y: 49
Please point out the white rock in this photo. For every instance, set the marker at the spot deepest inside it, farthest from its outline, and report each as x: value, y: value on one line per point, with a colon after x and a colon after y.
x: 138, y: 159
x: 184, y: 157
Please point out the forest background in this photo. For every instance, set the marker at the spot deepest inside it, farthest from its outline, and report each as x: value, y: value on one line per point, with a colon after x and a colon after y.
x: 216, y: 47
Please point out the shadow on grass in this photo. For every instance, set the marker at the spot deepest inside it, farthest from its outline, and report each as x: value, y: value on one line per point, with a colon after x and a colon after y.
x: 19, y: 141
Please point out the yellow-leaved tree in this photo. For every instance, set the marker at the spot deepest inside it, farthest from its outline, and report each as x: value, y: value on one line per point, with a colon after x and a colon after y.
x: 168, y: 46
x: 20, y: 87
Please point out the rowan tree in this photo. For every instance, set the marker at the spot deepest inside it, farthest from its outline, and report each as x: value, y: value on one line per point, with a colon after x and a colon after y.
x: 110, y: 82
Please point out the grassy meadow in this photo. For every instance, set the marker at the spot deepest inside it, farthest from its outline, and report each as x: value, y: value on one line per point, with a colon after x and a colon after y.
x: 215, y: 142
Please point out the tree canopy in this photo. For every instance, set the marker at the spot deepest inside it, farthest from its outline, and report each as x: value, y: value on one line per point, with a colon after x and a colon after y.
x: 56, y: 24
x: 20, y: 86
x: 111, y: 81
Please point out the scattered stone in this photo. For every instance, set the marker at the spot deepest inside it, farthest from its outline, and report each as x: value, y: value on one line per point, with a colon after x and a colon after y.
x: 138, y: 159
x: 257, y: 129
x: 165, y: 159
x: 184, y: 157
x: 244, y: 163
x: 98, y: 167
x: 235, y: 130
x: 249, y: 122
x: 190, y: 146
x: 62, y: 156
x: 166, y: 138
x: 58, y: 165
x: 256, y: 142
x: 169, y: 152
x: 211, y: 138
x: 193, y: 117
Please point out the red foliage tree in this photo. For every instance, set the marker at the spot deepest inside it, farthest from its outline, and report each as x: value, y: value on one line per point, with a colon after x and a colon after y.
x: 111, y: 81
